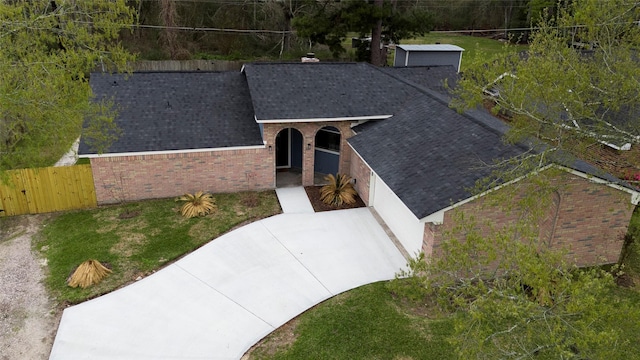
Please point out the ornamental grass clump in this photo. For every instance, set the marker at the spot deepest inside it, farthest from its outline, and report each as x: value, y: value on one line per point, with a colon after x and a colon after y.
x: 198, y: 204
x: 338, y: 191
x: 89, y: 273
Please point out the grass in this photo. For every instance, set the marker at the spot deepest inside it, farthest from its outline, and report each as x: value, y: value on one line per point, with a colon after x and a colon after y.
x: 365, y: 323
x: 137, y: 238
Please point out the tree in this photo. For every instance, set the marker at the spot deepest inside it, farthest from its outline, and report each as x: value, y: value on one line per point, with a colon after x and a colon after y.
x: 513, y: 296
x: 329, y: 22
x: 577, y: 84
x: 47, y: 49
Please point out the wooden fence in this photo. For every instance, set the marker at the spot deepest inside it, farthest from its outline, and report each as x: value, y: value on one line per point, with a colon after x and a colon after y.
x: 187, y: 65
x: 40, y: 190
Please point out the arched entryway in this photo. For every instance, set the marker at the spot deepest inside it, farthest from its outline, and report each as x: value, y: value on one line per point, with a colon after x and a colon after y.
x: 289, y: 158
x: 327, y: 151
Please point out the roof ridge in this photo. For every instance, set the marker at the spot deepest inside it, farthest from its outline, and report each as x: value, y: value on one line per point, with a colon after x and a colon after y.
x: 294, y: 62
x: 166, y: 72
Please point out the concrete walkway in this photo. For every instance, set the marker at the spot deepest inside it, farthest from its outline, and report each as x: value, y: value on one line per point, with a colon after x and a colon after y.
x: 220, y: 300
x: 294, y: 200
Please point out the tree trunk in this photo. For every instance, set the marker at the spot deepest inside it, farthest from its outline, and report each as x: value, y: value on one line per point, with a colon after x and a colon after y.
x: 376, y: 39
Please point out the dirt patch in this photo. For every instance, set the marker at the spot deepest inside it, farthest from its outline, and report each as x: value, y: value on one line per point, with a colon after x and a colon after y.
x: 625, y: 280
x: 280, y: 339
x: 313, y: 192
x: 28, y: 317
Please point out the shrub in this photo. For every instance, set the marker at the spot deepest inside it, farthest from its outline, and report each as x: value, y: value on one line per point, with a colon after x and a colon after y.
x: 338, y: 191
x: 198, y: 204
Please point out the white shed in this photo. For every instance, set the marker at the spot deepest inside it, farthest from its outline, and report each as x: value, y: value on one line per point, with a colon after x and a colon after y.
x: 428, y: 55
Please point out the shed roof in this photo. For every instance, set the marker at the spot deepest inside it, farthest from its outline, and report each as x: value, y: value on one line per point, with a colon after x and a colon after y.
x: 171, y: 111
x: 430, y: 47
x: 323, y: 91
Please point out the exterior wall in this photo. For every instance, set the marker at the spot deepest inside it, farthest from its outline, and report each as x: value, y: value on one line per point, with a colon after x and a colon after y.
x: 326, y: 162
x: 586, y: 219
x: 431, y: 231
x: 130, y: 178
x: 404, y: 225
x: 361, y: 173
x: 309, y: 130
x: 399, y: 57
x: 434, y: 58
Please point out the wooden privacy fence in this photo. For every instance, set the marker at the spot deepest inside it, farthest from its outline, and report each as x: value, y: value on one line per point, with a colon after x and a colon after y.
x: 187, y: 65
x: 40, y: 190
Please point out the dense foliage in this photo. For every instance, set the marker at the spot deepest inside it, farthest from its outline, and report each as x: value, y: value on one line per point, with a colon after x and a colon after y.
x: 576, y: 85
x: 330, y: 22
x: 47, y: 50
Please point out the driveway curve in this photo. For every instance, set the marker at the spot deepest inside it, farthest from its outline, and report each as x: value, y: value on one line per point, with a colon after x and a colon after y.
x: 218, y: 301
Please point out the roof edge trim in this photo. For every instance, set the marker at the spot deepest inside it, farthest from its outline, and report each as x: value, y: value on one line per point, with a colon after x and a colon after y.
x: 346, y: 118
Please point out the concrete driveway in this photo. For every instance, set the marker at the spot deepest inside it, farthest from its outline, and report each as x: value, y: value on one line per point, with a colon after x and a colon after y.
x: 220, y: 300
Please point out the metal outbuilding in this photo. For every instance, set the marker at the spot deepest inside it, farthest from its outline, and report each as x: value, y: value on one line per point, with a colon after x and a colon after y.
x: 428, y: 55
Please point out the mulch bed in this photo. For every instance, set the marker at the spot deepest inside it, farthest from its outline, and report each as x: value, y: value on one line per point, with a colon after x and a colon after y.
x: 313, y: 192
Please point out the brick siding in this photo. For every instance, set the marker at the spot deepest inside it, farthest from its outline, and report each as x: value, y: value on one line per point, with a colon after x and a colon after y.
x: 586, y: 219
x: 362, y: 174
x: 128, y: 178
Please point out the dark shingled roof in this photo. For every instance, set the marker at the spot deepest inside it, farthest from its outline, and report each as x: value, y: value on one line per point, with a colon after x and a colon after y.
x: 430, y: 77
x: 178, y: 110
x: 429, y: 155
x: 323, y: 90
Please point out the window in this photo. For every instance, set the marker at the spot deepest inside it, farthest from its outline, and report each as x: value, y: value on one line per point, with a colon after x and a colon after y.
x: 328, y: 138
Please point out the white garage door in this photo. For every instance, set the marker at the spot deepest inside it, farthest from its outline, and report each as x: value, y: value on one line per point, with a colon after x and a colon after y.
x: 405, y: 226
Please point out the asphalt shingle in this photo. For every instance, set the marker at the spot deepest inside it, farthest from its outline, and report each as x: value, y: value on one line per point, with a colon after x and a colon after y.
x: 162, y: 111
x: 429, y: 155
x: 323, y: 90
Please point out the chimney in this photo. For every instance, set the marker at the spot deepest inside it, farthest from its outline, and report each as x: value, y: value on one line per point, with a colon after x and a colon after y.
x: 310, y: 58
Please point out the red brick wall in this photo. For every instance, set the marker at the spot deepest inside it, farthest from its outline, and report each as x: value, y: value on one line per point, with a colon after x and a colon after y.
x: 308, y: 131
x: 362, y: 173
x: 587, y: 219
x: 130, y: 178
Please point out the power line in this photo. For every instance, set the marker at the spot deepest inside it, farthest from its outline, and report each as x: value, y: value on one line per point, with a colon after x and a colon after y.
x: 187, y: 28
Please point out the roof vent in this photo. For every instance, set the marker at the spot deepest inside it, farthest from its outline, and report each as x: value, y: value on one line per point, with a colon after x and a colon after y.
x: 310, y: 58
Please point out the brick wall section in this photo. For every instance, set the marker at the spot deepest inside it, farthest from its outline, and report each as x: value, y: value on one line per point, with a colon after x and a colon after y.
x: 587, y: 219
x: 362, y: 173
x: 130, y: 178
x: 429, y: 238
x: 308, y: 131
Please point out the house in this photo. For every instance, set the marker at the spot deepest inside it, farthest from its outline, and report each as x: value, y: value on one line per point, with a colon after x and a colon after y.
x: 412, y: 158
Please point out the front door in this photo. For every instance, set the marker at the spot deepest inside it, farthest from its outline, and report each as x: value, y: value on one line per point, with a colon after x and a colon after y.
x: 283, y: 150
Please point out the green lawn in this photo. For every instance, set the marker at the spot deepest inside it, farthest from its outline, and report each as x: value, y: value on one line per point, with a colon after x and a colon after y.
x: 137, y: 238
x: 365, y: 323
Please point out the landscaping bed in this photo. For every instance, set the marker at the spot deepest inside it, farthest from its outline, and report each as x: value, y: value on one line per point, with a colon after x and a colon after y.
x: 313, y: 192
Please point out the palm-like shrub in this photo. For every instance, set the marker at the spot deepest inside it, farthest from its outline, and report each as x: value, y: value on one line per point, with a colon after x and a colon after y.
x: 338, y: 191
x: 198, y: 204
x: 88, y: 273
